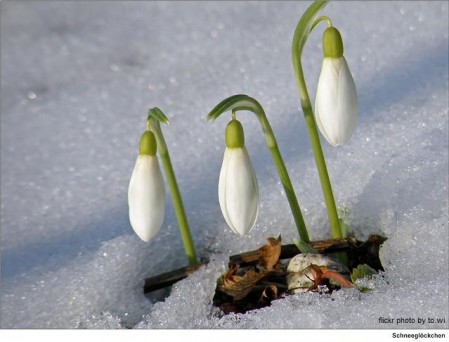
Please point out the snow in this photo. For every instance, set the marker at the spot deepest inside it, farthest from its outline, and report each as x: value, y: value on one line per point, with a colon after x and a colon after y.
x: 76, y: 83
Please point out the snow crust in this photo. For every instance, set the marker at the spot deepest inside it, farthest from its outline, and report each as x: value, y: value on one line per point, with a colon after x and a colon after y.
x: 77, y: 79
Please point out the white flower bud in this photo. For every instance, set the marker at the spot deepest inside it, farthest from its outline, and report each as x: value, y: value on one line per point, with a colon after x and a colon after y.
x: 336, y: 104
x: 146, y: 197
x: 238, y: 190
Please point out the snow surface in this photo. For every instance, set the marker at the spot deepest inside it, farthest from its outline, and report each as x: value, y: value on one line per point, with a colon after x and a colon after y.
x: 77, y: 79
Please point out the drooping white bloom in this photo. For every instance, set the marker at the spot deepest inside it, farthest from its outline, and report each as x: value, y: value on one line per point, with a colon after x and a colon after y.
x: 146, y: 196
x: 336, y: 104
x: 238, y: 190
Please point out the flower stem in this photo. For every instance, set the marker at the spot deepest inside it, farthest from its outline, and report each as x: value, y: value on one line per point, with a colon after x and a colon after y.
x: 303, y: 29
x: 154, y: 118
x: 244, y: 102
x: 290, y: 192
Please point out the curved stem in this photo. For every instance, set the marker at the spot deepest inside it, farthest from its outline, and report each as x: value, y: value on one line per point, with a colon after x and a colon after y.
x: 244, y: 102
x: 156, y: 116
x: 303, y: 29
x: 320, y: 19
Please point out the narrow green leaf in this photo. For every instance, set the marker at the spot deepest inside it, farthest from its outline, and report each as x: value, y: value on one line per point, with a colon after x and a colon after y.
x: 344, y: 227
x: 304, y: 247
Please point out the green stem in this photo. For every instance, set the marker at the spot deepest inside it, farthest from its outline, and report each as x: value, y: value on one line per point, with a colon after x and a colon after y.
x: 303, y: 29
x: 290, y: 192
x: 244, y: 102
x: 154, y: 117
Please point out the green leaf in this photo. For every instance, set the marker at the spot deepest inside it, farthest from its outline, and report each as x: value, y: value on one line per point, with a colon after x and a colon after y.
x: 362, y: 271
x: 344, y: 227
x: 304, y: 247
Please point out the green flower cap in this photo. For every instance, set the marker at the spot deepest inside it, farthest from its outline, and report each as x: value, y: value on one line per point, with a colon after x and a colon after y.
x: 234, y: 134
x: 332, y: 43
x: 148, y: 145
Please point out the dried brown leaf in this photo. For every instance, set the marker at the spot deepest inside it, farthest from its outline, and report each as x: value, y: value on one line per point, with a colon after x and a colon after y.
x: 321, y: 273
x: 270, y: 253
x: 239, y: 286
x: 337, y: 277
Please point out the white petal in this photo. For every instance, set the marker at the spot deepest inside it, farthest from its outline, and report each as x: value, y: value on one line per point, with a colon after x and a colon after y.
x: 348, y: 106
x: 238, y: 191
x: 336, y: 105
x: 146, y: 197
x: 325, y: 97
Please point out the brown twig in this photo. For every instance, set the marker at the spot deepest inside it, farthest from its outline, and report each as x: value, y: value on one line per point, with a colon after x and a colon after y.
x: 166, y: 279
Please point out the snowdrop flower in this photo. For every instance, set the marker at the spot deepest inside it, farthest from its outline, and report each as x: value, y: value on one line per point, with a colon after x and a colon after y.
x: 336, y: 105
x: 146, y: 193
x: 237, y: 188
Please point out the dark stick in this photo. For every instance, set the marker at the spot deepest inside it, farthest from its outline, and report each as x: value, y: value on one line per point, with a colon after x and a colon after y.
x: 166, y: 279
